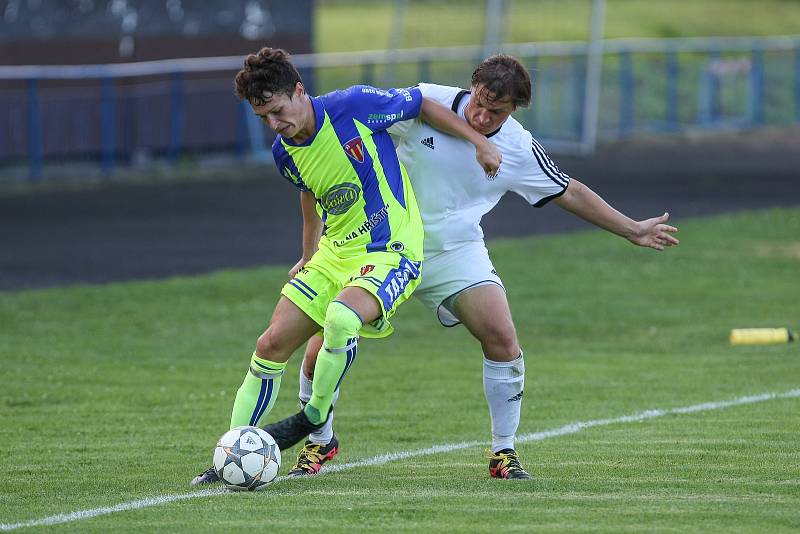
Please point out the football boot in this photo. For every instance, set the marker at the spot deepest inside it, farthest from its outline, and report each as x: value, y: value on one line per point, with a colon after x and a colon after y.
x: 505, y: 464
x: 312, y: 456
x: 206, y: 477
x: 291, y: 430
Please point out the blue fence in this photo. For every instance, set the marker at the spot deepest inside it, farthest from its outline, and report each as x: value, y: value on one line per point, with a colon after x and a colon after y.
x: 108, y: 119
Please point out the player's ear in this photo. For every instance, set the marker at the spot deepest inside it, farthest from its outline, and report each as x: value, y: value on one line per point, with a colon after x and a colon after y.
x: 299, y: 89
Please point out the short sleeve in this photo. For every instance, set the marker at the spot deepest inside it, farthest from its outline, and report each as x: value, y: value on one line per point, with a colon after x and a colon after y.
x: 541, y: 180
x: 379, y: 109
x: 401, y: 129
x: 286, y: 165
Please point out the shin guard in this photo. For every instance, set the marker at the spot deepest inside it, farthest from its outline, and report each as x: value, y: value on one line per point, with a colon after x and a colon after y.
x: 258, y: 392
x: 337, y: 355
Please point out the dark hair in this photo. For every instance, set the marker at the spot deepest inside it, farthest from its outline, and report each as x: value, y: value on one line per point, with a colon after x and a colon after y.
x: 266, y: 73
x: 504, y: 76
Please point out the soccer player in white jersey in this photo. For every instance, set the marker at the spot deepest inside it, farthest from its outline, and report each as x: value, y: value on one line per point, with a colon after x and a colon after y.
x: 459, y: 282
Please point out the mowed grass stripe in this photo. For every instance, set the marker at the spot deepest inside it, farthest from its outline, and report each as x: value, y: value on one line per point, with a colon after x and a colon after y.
x: 564, y: 430
x: 118, y: 392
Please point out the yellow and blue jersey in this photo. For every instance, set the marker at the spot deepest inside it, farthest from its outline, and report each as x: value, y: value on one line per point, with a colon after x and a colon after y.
x: 350, y: 165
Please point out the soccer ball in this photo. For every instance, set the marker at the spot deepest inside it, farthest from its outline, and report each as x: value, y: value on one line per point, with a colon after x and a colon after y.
x: 246, y: 458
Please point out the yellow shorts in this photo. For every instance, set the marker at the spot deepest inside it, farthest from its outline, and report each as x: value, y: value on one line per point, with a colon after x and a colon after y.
x: 389, y: 276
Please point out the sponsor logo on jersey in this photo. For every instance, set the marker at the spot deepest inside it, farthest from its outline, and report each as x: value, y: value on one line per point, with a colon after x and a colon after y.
x: 396, y: 282
x: 428, y: 142
x: 375, y: 91
x: 374, y: 220
x: 367, y: 269
x: 378, y: 118
x: 381, y: 92
x: 355, y: 149
x: 340, y: 198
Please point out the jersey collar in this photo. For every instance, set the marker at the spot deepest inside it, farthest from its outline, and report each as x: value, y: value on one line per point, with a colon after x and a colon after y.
x: 319, y: 115
x: 457, y: 102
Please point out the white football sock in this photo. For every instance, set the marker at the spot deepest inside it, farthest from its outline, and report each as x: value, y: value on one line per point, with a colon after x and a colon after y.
x: 324, y: 434
x: 503, y: 383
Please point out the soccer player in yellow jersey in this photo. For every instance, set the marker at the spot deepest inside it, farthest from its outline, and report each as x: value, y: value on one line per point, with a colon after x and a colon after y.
x: 461, y: 284
x: 355, y: 192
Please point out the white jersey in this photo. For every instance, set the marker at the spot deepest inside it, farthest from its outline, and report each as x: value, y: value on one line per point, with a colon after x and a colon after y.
x: 452, y: 190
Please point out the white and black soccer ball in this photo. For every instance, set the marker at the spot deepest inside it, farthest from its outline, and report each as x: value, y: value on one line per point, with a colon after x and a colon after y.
x: 246, y: 458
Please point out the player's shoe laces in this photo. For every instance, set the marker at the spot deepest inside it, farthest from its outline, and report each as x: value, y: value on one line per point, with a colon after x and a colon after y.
x: 505, y: 464
x: 206, y: 477
x: 312, y: 456
x: 291, y: 430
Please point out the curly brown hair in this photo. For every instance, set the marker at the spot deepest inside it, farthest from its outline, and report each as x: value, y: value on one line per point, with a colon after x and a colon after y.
x: 504, y: 76
x: 265, y: 73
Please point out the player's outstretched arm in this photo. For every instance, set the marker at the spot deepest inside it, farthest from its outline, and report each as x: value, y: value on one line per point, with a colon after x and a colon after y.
x: 586, y: 204
x: 444, y: 119
x: 312, y: 230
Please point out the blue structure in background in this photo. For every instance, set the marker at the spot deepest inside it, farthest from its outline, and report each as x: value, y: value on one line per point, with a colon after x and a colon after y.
x: 108, y: 128
x: 34, y: 130
x: 725, y: 90
x: 672, y: 104
x: 98, y: 115
x: 757, y: 87
x: 627, y: 93
x: 176, y: 121
x: 797, y: 83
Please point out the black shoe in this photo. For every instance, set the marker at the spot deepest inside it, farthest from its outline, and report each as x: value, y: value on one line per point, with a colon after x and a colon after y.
x: 505, y: 464
x: 291, y: 430
x: 312, y: 456
x: 206, y: 477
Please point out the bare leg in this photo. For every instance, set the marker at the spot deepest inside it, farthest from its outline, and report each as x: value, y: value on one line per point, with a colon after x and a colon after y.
x: 288, y: 329
x: 484, y: 311
x: 310, y: 357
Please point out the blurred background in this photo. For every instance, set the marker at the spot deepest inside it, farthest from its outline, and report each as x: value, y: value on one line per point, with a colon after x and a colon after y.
x: 686, y: 105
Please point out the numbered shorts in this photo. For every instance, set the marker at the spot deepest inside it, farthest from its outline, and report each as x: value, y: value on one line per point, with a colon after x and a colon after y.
x: 449, y: 273
x: 389, y: 276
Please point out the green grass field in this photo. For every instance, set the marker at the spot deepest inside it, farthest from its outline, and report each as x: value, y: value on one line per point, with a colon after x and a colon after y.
x: 461, y: 22
x: 117, y: 393
x: 558, y: 82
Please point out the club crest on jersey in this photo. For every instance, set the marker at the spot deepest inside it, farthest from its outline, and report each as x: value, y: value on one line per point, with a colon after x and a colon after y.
x: 355, y: 149
x: 340, y: 198
x: 367, y: 269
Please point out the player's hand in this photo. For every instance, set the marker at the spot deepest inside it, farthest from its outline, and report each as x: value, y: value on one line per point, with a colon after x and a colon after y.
x: 489, y: 158
x: 654, y: 233
x: 297, y: 266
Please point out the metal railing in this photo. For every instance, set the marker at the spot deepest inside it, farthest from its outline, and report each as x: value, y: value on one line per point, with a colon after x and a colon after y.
x: 171, y: 108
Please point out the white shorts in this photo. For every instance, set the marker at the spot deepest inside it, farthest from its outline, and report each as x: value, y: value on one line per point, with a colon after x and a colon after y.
x: 446, y: 274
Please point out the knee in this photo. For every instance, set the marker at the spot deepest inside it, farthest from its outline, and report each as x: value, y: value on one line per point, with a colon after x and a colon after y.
x: 501, y: 344
x: 341, y: 322
x: 268, y: 344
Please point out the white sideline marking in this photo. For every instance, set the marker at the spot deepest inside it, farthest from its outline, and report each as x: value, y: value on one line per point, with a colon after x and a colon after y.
x: 571, y: 428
